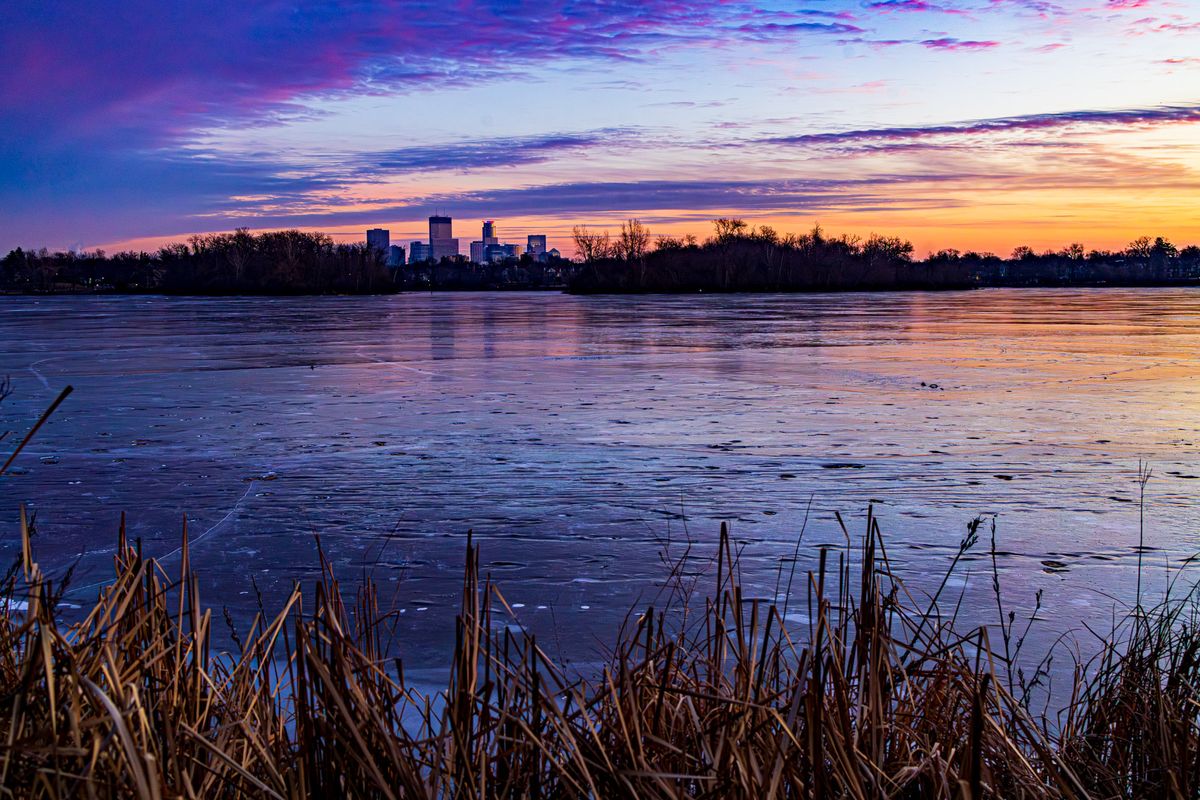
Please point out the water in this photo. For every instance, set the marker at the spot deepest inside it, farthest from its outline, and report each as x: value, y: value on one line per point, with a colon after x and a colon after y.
x: 575, y: 436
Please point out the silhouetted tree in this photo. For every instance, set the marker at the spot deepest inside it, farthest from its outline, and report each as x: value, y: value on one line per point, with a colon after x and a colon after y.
x: 1140, y: 247
x: 633, y: 242
x: 589, y: 246
x: 729, y: 229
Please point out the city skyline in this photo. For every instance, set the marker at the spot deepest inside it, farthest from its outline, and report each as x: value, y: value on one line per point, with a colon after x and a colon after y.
x: 977, y: 124
x: 441, y: 243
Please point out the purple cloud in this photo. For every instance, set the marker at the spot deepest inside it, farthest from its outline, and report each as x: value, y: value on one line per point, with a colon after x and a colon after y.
x: 583, y: 198
x: 485, y: 153
x: 912, y: 6
x: 767, y: 31
x: 813, y: 12
x: 1160, y: 115
x: 158, y: 70
x: 1041, y: 8
x: 949, y: 43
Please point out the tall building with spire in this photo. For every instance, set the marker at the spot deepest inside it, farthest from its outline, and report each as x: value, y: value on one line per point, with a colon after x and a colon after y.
x: 479, y: 249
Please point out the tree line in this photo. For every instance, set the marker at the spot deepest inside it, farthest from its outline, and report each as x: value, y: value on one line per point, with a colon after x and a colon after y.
x: 739, y: 257
x: 277, y: 262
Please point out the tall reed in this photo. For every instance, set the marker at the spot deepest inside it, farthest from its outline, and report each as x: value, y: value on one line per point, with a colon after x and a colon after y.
x: 869, y: 694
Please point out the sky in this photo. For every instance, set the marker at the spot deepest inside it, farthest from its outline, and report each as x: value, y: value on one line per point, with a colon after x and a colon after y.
x: 975, y: 124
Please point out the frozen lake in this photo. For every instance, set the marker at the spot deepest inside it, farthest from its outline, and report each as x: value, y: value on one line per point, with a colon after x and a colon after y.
x: 574, y: 434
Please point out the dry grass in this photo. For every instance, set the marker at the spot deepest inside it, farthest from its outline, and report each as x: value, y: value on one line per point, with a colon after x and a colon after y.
x: 878, y: 697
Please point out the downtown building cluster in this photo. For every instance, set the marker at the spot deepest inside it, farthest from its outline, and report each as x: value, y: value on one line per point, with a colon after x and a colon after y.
x: 488, y: 249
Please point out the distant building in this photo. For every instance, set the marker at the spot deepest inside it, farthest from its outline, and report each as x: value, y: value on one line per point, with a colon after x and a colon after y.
x: 536, y: 244
x: 495, y: 253
x: 419, y: 252
x: 442, y: 243
x: 443, y: 248
x: 479, y: 248
x: 379, y: 239
x: 395, y: 256
x: 554, y: 254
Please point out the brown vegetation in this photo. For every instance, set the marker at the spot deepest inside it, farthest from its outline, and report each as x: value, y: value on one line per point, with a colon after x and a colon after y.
x: 872, y: 695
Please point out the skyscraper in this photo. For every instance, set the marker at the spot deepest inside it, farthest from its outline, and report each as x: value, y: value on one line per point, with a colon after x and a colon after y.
x: 536, y: 244
x: 379, y: 239
x: 441, y: 238
x: 479, y: 249
x: 440, y: 228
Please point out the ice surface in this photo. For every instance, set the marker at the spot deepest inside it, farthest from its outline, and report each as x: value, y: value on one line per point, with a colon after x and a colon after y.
x: 577, y: 436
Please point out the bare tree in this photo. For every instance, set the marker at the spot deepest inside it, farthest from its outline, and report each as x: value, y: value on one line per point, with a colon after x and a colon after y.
x: 634, y: 241
x: 1073, y: 251
x: 590, y: 246
x: 728, y: 229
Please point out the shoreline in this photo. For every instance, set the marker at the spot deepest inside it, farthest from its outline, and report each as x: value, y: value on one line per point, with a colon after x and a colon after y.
x: 1183, y: 284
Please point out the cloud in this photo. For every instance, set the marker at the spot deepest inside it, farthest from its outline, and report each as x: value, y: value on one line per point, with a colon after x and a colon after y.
x: 147, y: 72
x: 1178, y: 27
x: 949, y: 43
x: 814, y: 12
x: 1160, y: 115
x: 1040, y: 8
x: 486, y: 153
x: 575, y: 199
x: 941, y: 43
x: 912, y: 6
x: 768, y: 31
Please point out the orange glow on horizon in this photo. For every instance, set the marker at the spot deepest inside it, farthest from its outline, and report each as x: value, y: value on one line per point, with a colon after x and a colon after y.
x: 1012, y: 220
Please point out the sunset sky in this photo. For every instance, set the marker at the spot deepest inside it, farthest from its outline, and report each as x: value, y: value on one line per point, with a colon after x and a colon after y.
x: 968, y: 123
